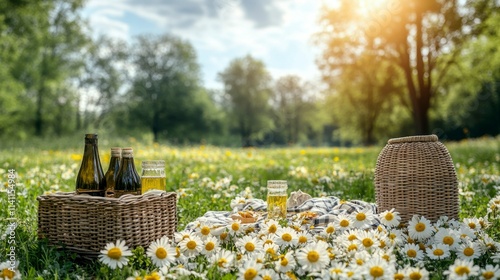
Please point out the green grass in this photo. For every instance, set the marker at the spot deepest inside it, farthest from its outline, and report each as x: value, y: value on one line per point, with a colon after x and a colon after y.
x: 192, y: 170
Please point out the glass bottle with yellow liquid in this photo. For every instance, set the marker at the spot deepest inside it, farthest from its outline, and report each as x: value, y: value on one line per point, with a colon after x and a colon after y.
x: 153, y: 175
x: 276, y: 199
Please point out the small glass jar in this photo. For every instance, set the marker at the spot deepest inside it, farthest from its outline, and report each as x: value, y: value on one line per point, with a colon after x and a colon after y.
x: 276, y: 199
x: 153, y: 175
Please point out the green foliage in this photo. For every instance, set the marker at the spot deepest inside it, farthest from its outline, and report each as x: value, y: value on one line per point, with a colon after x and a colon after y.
x: 247, y: 91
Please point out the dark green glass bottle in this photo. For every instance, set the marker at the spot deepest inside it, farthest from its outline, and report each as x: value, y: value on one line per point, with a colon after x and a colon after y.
x: 128, y: 180
x: 114, y: 167
x: 90, y: 179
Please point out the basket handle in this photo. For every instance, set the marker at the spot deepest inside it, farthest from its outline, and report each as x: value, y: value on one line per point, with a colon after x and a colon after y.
x: 416, y: 138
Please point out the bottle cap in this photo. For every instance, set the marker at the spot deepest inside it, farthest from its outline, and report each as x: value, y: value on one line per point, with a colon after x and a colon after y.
x: 116, y: 152
x: 127, y: 152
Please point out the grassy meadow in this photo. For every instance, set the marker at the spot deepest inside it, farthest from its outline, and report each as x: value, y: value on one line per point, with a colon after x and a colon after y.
x: 208, y: 178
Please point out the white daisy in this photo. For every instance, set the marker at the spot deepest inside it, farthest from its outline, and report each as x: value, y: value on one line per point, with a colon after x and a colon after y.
x: 472, y: 223
x: 329, y: 230
x: 336, y: 270
x: 362, y: 218
x: 210, y: 246
x: 304, y: 238
x: 448, y: 237
x: 235, y: 227
x: 204, y: 231
x: 179, y: 236
x: 249, y: 245
x: 224, y: 260
x: 268, y: 239
x: 377, y: 268
x: 271, y: 249
x: 490, y: 272
x: 417, y: 273
x: 396, y: 237
x: 191, y: 246
x: 268, y: 274
x: 286, y: 237
x: 161, y: 253
x: 412, y: 252
x: 285, y: 263
x: 369, y: 239
x: 466, y: 232
x: 468, y: 250
x: 115, y: 255
x: 462, y: 269
x: 270, y: 227
x: 360, y: 258
x: 343, y: 222
x: 420, y: 228
x: 250, y: 271
x: 351, y: 247
x: 390, y: 218
x: 438, y: 251
x: 313, y: 257
x: 9, y: 271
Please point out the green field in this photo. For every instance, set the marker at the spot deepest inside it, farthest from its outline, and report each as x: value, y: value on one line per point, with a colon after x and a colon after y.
x: 208, y: 178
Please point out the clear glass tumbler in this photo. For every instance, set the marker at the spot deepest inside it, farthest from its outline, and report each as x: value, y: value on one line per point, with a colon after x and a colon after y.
x: 276, y: 199
x: 153, y: 175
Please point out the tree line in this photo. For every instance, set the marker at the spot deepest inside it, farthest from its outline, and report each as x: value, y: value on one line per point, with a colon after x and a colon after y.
x: 406, y: 67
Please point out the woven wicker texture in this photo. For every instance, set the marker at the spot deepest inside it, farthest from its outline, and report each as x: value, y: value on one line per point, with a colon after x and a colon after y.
x: 85, y: 224
x: 416, y: 175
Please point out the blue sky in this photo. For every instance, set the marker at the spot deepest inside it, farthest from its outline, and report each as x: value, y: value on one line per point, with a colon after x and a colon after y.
x: 276, y: 31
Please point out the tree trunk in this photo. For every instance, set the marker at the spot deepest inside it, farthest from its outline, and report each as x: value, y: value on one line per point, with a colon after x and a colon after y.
x: 39, y: 111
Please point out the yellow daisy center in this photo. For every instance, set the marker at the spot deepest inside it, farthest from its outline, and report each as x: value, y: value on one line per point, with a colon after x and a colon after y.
x: 153, y: 276
x: 386, y: 257
x: 472, y: 225
x: 344, y: 223
x: 367, y: 242
x: 392, y: 236
x: 249, y: 247
x: 313, y: 256
x: 389, y: 216
x: 284, y: 262
x: 191, y: 245
x: 270, y: 251
x: 420, y: 227
x: 352, y: 247
x: 462, y: 270
x: 399, y: 276
x: 302, y: 239
x: 359, y: 262
x: 8, y: 274
x: 415, y: 275
x: 272, y: 228
x: 411, y: 253
x: 161, y: 253
x: 376, y: 271
x: 209, y: 246
x: 115, y: 253
x: 250, y: 274
x: 269, y: 241
x: 267, y: 277
x: 235, y: 226
x: 438, y: 252
x: 286, y: 237
x: 488, y: 275
x: 352, y: 237
x: 221, y: 262
x: 205, y: 230
x: 330, y: 230
x: 223, y: 236
x: 448, y: 240
x: 468, y: 251
x: 177, y: 252
x: 360, y: 217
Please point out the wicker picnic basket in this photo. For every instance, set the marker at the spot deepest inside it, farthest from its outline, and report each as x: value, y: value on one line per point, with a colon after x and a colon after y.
x: 85, y: 224
x: 416, y: 175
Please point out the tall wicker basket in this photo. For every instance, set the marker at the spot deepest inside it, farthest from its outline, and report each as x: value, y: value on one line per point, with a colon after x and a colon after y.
x: 415, y: 175
x: 85, y: 224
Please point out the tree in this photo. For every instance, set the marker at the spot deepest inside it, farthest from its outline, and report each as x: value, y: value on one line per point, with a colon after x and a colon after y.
x: 166, y: 95
x: 48, y: 39
x: 291, y: 101
x: 364, y: 93
x: 247, y: 89
x: 422, y: 38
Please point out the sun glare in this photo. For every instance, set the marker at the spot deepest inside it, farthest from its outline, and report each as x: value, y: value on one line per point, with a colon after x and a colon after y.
x: 370, y: 8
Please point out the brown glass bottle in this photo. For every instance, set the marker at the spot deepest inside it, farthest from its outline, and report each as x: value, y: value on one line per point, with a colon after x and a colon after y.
x: 90, y: 179
x: 128, y: 180
x: 114, y: 167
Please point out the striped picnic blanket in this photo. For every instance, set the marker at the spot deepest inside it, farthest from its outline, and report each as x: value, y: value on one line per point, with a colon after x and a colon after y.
x: 326, y: 209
